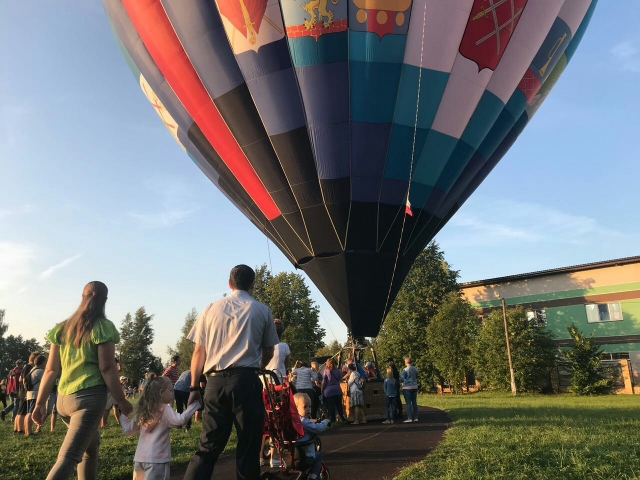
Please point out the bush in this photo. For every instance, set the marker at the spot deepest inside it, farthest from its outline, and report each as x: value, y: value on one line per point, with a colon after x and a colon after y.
x: 588, y: 375
x: 532, y: 352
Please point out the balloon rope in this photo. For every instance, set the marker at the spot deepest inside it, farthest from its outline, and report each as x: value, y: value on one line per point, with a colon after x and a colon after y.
x: 269, y: 252
x: 413, y: 150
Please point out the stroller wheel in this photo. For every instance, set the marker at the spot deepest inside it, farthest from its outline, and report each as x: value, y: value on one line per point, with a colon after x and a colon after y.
x: 324, y: 473
x: 266, y: 448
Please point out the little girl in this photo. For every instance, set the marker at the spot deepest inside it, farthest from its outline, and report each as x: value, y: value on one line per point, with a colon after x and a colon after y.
x: 153, y: 419
x: 391, y: 392
x: 356, y: 397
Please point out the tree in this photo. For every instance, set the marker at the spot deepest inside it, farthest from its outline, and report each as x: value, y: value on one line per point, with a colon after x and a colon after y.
x: 289, y: 299
x: 329, y: 350
x: 263, y: 277
x: 3, y: 348
x: 532, y: 352
x: 588, y: 375
x: 404, y: 330
x: 136, y: 336
x: 450, y: 337
x: 184, y: 347
x: 16, y: 348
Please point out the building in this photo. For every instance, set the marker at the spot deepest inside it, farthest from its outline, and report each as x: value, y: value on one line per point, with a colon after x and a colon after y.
x: 602, y: 298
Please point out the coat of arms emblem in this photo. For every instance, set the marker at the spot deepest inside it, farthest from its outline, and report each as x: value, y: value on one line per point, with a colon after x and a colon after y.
x: 489, y: 29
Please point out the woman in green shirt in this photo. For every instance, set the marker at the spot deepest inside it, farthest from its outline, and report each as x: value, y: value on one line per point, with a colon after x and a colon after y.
x: 83, y: 355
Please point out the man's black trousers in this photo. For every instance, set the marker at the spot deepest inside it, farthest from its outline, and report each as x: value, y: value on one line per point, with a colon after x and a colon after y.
x: 230, y: 400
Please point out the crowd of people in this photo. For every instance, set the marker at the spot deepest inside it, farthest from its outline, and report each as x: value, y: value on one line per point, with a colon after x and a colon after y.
x: 234, y: 339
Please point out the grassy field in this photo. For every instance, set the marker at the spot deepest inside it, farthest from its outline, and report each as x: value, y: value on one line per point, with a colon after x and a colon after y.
x: 497, y: 436
x: 30, y: 458
x: 494, y: 436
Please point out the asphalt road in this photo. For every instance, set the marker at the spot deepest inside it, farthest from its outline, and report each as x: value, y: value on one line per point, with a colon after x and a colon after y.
x: 372, y: 451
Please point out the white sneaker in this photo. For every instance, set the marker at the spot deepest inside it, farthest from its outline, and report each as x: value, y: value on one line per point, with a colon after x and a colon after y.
x: 408, y: 420
x: 274, y: 463
x: 386, y: 422
x: 415, y: 419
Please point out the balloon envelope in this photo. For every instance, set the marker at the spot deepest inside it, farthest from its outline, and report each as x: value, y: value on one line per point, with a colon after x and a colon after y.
x: 348, y: 131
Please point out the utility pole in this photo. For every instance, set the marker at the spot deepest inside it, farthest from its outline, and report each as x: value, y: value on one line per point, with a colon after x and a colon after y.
x: 506, y: 335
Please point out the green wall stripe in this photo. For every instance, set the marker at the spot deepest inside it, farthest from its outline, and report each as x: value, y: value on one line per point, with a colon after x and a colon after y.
x: 581, y: 292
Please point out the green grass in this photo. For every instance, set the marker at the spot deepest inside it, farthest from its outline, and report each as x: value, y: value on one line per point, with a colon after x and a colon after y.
x: 26, y: 458
x: 494, y: 436
x: 497, y: 436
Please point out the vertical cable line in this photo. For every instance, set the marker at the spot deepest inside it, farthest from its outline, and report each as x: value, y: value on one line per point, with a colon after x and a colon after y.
x: 401, y: 209
x: 413, y: 148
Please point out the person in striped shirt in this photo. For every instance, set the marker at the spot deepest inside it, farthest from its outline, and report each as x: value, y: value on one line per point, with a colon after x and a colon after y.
x: 172, y: 370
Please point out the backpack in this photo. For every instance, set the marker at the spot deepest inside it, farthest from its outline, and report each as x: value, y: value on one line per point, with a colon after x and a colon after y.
x: 28, y: 380
x: 12, y: 386
x: 360, y: 381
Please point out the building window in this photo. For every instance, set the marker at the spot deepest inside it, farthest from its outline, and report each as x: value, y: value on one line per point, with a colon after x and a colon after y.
x: 540, y: 317
x: 603, y: 312
x: 614, y: 356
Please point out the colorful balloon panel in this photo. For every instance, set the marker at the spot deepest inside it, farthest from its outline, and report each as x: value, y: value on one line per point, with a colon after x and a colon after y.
x: 348, y: 131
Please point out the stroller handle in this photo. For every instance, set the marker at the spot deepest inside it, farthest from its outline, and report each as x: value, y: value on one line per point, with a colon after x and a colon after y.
x: 270, y: 373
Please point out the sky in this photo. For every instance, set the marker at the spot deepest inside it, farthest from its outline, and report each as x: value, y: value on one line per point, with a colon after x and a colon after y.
x: 92, y: 187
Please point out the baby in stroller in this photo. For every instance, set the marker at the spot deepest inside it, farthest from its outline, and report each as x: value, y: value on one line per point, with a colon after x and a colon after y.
x: 309, y: 457
x: 289, y: 428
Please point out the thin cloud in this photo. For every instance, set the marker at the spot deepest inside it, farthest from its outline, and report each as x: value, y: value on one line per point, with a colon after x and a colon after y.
x: 628, y: 55
x: 12, y: 117
x: 15, y: 264
x: 15, y: 211
x: 64, y: 263
x: 160, y: 219
x: 174, y: 197
x: 523, y: 222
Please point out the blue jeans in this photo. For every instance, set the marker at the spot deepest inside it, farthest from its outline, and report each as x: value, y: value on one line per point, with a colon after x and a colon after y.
x: 12, y: 407
x: 411, y: 400
x: 315, y: 462
x: 390, y: 408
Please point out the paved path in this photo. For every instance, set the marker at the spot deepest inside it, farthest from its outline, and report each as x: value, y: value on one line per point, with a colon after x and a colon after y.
x: 372, y: 451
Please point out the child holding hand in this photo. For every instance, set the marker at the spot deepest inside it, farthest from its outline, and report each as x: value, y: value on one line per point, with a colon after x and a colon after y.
x: 311, y: 457
x: 153, y: 419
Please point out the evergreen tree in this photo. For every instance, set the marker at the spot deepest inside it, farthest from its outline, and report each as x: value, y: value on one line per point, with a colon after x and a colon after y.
x: 589, y: 376
x: 136, y: 337
x: 184, y: 347
x: 532, y: 351
x: 450, y: 337
x: 289, y: 298
x: 404, y: 331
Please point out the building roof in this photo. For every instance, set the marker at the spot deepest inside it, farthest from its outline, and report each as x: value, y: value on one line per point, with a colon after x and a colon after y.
x: 553, y: 271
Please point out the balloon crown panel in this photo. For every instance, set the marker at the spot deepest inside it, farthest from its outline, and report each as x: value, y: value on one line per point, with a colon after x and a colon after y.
x: 348, y: 131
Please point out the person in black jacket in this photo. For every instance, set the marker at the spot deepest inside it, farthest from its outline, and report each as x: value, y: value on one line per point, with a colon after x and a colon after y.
x: 396, y: 375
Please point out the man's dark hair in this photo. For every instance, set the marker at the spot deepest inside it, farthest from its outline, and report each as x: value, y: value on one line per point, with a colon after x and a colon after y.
x: 279, y: 326
x: 242, y: 277
x: 175, y: 358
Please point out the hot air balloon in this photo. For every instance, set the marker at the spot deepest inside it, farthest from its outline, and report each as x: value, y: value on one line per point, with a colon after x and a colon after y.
x: 348, y: 131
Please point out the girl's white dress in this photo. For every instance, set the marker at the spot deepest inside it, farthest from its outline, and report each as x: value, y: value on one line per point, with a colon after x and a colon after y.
x: 154, y: 445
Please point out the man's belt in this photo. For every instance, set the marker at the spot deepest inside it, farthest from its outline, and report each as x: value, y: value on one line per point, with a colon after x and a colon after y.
x: 232, y: 371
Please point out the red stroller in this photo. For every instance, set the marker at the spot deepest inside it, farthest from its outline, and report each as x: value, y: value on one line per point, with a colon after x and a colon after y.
x: 283, y: 427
